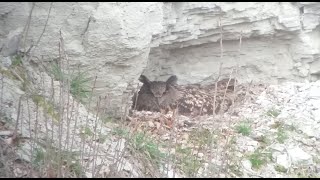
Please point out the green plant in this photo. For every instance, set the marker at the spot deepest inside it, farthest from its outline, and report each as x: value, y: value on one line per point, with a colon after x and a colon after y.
x: 8, y: 74
x: 292, y: 127
x: 244, y: 129
x: 67, y: 159
x: 24, y: 86
x: 281, y: 135
x: 273, y: 112
x: 78, y: 82
x: 57, y: 73
x: 85, y: 132
x: 277, y: 124
x: 280, y: 168
x: 191, y: 165
x: 39, y: 157
x: 79, y: 86
x: 201, y: 137
x: 236, y: 170
x: 258, y: 158
x: 233, y: 140
x: 17, y: 60
x: 186, y: 161
x: 141, y: 143
x: 47, y: 106
x: 120, y: 132
x: 5, y: 118
x: 264, y: 139
x: 75, y: 167
x: 107, y: 119
x: 147, y: 146
x: 306, y: 173
x: 102, y: 138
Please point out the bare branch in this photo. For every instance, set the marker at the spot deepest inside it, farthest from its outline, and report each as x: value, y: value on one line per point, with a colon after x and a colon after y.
x: 27, y: 26
x: 44, y: 29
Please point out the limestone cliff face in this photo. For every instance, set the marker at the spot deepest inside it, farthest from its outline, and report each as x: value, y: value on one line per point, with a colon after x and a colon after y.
x: 117, y: 41
x: 109, y: 40
x: 279, y: 41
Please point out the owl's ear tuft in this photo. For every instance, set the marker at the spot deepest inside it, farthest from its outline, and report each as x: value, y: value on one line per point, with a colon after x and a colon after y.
x: 172, y: 80
x: 144, y: 80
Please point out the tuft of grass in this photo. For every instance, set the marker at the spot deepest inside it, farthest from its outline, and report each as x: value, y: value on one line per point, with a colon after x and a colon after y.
x: 244, y: 129
x: 78, y: 82
x: 187, y: 162
x: 273, y: 112
x: 201, y: 137
x: 17, y: 61
x: 47, y: 106
x: 147, y: 146
x: 264, y: 139
x: 258, y: 159
x: 316, y: 159
x: 123, y: 133
x: 16, y: 69
x: 39, y: 157
x: 306, y: 173
x: 57, y: 73
x: 8, y: 74
x: 107, y: 119
x: 75, y: 167
x: 69, y: 161
x: 277, y: 124
x: 24, y: 86
x: 233, y: 140
x: 142, y: 143
x: 102, y: 138
x: 281, y: 135
x: 280, y: 168
x: 5, y: 118
x: 79, y: 86
x: 292, y: 127
x: 236, y: 170
x: 85, y: 132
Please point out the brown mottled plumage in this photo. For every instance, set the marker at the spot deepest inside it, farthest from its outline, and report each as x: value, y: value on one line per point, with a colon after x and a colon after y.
x: 191, y: 100
x: 156, y: 95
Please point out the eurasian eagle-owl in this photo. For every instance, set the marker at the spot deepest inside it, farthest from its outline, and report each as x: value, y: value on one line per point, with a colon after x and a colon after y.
x: 189, y: 99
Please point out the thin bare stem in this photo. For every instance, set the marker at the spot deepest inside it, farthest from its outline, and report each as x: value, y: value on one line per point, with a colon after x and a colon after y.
x: 240, y: 42
x: 225, y: 91
x: 44, y: 29
x: 215, y: 90
x: 1, y: 95
x: 87, y: 119
x: 136, y: 99
x: 17, y: 120
x: 27, y: 26
x: 95, y: 137
x: 221, y: 36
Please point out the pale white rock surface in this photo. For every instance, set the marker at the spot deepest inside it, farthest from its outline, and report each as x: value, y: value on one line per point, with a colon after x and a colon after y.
x: 36, y: 120
x: 278, y: 41
x: 6, y: 62
x: 297, y: 105
x: 283, y: 160
x: 110, y: 40
x: 247, y: 165
x: 246, y: 144
x: 278, y: 147
x: 270, y: 42
x: 117, y: 41
x: 297, y: 155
